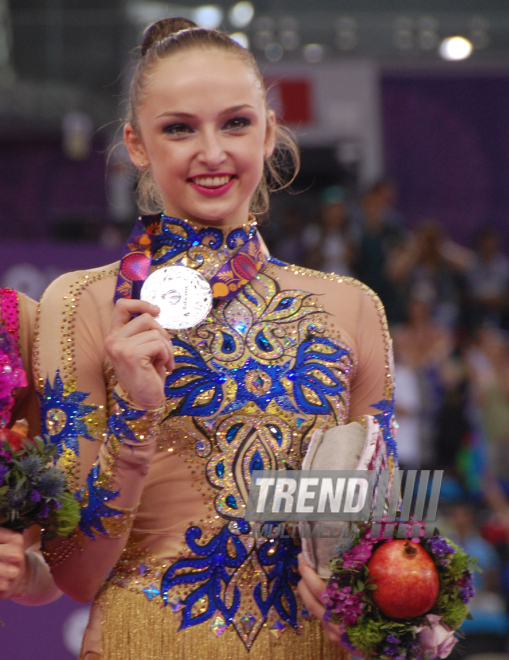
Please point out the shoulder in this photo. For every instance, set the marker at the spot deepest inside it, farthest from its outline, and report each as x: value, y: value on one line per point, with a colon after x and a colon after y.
x: 71, y: 287
x: 341, y: 287
x: 26, y: 306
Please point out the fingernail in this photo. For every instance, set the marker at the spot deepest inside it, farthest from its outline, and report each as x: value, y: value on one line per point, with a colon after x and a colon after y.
x: 155, y: 308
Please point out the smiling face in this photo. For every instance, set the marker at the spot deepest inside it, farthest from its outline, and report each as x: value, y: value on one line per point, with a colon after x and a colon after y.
x: 203, y: 128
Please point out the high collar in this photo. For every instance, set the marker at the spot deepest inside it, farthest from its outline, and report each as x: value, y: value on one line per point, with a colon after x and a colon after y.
x: 176, y: 240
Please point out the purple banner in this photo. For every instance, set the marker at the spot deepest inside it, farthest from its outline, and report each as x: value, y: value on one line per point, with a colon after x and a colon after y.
x: 447, y: 148
x: 49, y: 632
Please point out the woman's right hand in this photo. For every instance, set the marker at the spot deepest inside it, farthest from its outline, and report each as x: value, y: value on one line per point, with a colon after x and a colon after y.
x: 12, y: 563
x: 140, y: 351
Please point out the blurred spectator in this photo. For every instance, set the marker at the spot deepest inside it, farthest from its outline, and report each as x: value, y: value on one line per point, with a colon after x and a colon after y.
x: 382, y: 232
x: 488, y: 630
x: 329, y: 244
x: 408, y: 413
x: 429, y: 267
x: 424, y: 348
x: 488, y: 361
x: 288, y: 246
x: 488, y: 280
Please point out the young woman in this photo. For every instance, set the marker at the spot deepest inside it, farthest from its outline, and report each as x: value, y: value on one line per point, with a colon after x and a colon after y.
x: 24, y: 575
x: 177, y: 426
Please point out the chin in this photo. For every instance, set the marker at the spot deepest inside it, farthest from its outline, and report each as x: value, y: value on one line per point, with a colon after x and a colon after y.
x: 221, y: 215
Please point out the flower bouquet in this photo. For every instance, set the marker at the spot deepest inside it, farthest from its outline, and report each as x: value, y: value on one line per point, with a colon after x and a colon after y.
x: 32, y: 489
x: 399, y: 599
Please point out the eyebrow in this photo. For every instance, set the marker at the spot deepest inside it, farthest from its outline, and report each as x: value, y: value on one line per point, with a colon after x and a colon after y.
x: 188, y: 115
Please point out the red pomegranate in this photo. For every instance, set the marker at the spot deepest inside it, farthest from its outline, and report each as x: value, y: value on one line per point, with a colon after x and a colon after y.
x: 406, y: 579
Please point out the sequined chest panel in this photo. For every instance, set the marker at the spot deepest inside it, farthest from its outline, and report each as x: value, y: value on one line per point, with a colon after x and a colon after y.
x: 250, y: 385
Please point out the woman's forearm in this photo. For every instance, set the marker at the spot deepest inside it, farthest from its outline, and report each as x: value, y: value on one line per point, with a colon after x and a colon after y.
x: 109, y: 501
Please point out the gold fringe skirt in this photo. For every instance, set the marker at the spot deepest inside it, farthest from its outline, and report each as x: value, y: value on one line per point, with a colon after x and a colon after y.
x: 135, y: 629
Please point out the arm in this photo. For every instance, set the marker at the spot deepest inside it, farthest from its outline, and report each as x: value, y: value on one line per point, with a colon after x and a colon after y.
x: 372, y: 393
x: 111, y: 474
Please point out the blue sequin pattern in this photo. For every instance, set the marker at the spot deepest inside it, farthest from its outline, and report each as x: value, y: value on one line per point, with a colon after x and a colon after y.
x: 63, y: 415
x: 250, y: 385
x: 93, y: 499
x: 178, y: 236
x: 117, y: 422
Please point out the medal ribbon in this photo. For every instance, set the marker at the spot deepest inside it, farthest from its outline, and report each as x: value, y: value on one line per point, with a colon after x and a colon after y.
x: 233, y: 275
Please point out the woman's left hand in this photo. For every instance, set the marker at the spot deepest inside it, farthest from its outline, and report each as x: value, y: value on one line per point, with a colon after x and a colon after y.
x: 12, y: 563
x: 311, y: 588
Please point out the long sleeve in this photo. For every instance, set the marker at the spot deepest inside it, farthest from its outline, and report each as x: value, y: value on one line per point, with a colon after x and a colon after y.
x: 105, y: 444
x: 373, y: 387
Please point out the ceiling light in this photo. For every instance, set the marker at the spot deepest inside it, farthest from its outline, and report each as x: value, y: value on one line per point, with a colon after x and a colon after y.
x: 263, y: 38
x: 289, y: 39
x: 427, y: 23
x: 455, y: 48
x: 313, y: 53
x: 479, y: 39
x: 241, y: 14
x: 428, y: 39
x: 264, y: 23
x: 208, y: 16
x: 404, y: 39
x: 273, y: 52
x: 479, y: 23
x: 288, y: 23
x: 404, y: 23
x: 346, y: 33
x: 241, y: 38
x: 346, y: 23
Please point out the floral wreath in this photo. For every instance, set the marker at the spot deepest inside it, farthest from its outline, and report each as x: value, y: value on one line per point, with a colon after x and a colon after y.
x: 368, y: 631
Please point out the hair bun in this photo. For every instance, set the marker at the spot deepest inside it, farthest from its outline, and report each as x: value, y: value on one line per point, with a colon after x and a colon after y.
x: 162, y: 29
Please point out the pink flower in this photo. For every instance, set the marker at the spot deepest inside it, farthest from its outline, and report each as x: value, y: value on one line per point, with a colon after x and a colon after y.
x: 358, y: 555
x: 436, y: 638
x: 342, y: 602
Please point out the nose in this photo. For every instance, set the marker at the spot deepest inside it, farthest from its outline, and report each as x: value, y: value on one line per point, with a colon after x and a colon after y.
x: 211, y: 151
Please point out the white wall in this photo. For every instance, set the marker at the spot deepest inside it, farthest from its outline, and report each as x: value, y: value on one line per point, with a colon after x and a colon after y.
x: 346, y: 108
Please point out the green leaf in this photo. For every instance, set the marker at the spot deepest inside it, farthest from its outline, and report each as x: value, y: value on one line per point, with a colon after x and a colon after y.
x: 20, y: 483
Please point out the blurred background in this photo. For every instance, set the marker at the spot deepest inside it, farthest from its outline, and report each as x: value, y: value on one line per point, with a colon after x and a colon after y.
x: 401, y: 109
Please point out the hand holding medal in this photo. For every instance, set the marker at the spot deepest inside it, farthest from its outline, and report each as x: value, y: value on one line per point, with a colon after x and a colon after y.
x: 173, y: 297
x: 140, y: 351
x: 182, y: 294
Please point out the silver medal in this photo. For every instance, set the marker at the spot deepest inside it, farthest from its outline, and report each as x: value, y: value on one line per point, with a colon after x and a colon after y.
x: 183, y: 295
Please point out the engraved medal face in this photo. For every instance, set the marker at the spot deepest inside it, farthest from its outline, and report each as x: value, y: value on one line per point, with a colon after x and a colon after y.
x: 183, y: 295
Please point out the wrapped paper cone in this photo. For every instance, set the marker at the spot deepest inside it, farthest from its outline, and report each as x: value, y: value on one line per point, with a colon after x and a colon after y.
x: 355, y: 446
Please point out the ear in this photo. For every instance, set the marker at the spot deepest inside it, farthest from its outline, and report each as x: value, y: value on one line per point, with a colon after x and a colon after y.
x: 270, y: 135
x: 135, y: 147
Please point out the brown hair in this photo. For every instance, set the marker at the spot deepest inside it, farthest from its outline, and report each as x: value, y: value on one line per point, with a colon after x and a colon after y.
x: 172, y: 35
